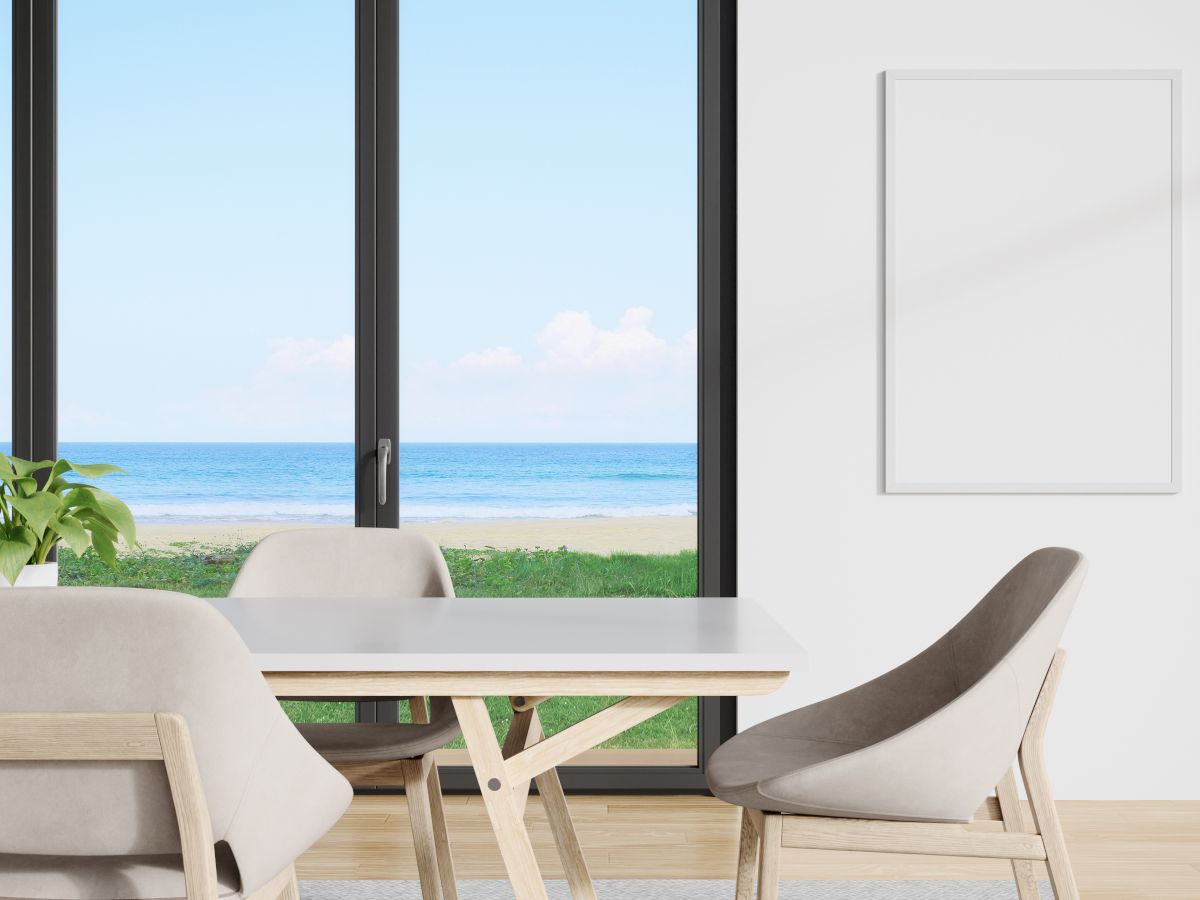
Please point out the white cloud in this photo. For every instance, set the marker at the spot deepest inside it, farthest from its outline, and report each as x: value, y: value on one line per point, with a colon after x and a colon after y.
x: 579, y: 382
x: 574, y: 343
x: 491, y: 358
x: 290, y: 354
x: 690, y: 340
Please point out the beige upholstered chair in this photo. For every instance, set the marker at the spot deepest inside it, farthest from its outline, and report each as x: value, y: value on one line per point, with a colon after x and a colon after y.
x: 142, y: 756
x: 894, y: 764
x: 372, y: 562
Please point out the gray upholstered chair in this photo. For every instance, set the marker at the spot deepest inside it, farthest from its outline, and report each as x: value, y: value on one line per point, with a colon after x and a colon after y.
x: 143, y: 757
x: 372, y: 562
x: 918, y: 750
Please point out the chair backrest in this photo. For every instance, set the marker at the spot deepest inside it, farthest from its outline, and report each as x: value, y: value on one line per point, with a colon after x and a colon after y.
x: 82, y: 650
x: 342, y: 562
x: 941, y: 729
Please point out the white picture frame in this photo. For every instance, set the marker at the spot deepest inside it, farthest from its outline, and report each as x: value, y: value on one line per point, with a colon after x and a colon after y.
x: 1032, y: 281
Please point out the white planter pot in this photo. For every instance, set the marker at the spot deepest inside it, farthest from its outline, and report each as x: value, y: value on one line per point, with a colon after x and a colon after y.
x: 44, y: 575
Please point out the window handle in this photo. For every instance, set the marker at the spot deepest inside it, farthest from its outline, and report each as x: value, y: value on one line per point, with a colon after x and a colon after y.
x: 383, y: 456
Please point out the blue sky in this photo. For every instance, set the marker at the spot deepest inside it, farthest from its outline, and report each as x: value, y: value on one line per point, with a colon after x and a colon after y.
x: 548, y: 190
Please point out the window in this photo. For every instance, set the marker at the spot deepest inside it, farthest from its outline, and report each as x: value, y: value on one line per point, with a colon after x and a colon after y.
x: 206, y: 266
x: 548, y: 313
x: 286, y: 230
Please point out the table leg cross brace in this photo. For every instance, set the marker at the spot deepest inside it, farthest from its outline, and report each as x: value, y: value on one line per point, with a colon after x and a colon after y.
x: 504, y: 778
x: 555, y: 750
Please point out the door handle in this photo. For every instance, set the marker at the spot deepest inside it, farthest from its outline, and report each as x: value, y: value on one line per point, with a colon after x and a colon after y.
x: 383, y: 456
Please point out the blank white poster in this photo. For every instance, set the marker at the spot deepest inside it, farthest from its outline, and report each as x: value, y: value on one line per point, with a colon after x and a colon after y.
x: 1031, y: 281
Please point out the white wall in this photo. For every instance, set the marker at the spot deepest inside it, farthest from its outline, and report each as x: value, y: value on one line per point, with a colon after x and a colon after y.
x: 866, y: 579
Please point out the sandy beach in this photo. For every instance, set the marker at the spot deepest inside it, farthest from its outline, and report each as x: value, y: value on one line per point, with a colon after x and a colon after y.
x: 643, y: 534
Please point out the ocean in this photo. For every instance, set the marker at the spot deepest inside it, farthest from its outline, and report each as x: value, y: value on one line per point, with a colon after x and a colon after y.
x: 219, y: 483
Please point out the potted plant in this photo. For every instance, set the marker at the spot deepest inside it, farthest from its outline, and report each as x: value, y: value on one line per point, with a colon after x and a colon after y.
x: 37, y: 514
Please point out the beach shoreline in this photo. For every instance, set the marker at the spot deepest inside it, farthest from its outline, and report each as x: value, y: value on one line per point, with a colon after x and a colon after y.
x: 593, y: 534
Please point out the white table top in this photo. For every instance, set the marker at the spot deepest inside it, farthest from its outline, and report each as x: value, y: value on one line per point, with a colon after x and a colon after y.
x: 522, y: 634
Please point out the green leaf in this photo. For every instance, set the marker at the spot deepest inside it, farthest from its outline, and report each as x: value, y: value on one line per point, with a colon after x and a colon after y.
x: 89, y: 470
x: 108, y: 506
x: 16, y: 549
x: 73, y: 533
x: 105, y: 548
x: 37, y: 510
x: 18, y: 483
x: 94, y: 521
x: 57, y: 486
x: 24, y: 467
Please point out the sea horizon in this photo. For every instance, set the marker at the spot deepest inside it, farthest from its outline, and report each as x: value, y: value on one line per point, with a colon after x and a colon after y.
x: 232, y: 482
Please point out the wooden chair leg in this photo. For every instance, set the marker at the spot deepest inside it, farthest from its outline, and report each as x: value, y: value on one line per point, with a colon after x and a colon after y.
x: 1014, y: 820
x: 769, y: 844
x: 1045, y: 817
x: 1032, y: 757
x: 291, y: 890
x: 419, y: 710
x: 420, y: 814
x: 441, y: 837
x: 747, y: 858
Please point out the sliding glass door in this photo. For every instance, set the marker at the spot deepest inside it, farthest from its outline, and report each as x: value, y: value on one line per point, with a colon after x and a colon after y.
x: 547, y: 307
x: 254, y: 240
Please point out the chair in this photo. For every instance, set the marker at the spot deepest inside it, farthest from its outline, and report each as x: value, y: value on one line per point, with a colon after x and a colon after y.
x: 897, y: 765
x: 372, y: 562
x: 142, y: 756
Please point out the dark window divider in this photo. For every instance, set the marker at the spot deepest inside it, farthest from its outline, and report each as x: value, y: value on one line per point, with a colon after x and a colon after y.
x: 717, y: 444
x: 34, y: 230
x: 368, y: 196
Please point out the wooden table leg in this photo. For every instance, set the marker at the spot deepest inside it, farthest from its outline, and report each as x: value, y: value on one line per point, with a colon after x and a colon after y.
x: 504, y: 775
x: 574, y: 865
x: 524, y: 731
x: 521, y: 733
x: 499, y: 798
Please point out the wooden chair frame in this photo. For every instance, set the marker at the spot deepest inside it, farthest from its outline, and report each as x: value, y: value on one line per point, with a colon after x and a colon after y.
x: 765, y: 833
x: 426, y: 813
x: 138, y: 736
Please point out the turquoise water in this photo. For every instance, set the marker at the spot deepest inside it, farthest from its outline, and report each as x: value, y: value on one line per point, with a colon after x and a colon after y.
x: 188, y: 483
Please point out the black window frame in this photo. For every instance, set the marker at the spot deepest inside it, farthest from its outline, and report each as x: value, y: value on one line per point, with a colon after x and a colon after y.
x: 34, y: 308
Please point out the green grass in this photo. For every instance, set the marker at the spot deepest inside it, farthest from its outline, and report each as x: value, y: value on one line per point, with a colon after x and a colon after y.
x: 565, y: 573
x: 203, y: 571
x: 209, y: 572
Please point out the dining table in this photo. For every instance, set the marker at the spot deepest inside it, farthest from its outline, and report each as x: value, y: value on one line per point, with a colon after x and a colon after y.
x: 651, y: 652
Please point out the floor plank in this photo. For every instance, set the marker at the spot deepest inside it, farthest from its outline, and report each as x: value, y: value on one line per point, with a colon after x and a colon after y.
x: 1128, y: 850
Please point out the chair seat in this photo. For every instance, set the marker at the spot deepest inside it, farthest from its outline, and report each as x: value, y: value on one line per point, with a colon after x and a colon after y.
x: 370, y: 742
x: 742, y: 764
x: 781, y: 766
x: 26, y: 876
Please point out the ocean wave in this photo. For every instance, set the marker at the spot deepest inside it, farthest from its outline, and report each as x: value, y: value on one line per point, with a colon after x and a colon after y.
x: 682, y: 477
x: 233, y: 511
x: 418, y: 512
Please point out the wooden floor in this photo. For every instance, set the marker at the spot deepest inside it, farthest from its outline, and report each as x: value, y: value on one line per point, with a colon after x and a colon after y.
x: 1122, y: 850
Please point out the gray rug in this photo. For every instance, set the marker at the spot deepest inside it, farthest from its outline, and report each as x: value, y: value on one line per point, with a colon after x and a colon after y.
x: 682, y: 890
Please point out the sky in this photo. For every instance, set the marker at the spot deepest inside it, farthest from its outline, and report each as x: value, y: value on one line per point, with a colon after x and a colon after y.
x: 206, y: 231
